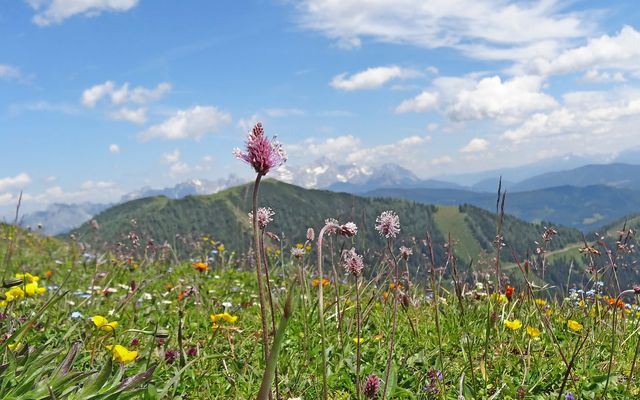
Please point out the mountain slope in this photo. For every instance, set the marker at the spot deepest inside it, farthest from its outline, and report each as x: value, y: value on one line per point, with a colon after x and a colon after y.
x: 619, y: 175
x: 585, y: 208
x: 223, y: 216
x: 61, y: 218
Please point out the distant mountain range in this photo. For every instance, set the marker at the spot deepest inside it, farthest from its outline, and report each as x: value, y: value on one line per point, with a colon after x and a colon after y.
x: 584, y: 208
x: 585, y: 197
x: 61, y: 218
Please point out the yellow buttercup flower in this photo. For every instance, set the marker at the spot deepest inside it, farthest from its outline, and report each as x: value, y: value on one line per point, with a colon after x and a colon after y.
x: 540, y: 302
x: 220, y: 248
x: 533, y: 331
x: 13, y: 293
x: 28, y: 277
x: 14, y: 346
x: 574, y: 325
x: 122, y: 354
x: 500, y: 298
x: 224, y: 316
x: 358, y: 340
x: 103, y: 324
x: 513, y: 325
x: 32, y: 289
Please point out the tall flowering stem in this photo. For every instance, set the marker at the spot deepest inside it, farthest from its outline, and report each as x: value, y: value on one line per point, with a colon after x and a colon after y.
x: 329, y: 225
x: 352, y: 262
x: 348, y: 230
x: 258, y: 254
x: 388, y: 225
x: 262, y: 155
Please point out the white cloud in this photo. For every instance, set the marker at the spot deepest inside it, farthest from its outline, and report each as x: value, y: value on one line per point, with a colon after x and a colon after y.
x: 170, y: 158
x: 494, y: 98
x: 461, y: 24
x: 441, y: 160
x: 246, y: 124
x: 121, y: 95
x: 596, y: 76
x: 475, y: 145
x: 372, y: 78
x: 135, y: 115
x: 192, y: 123
x: 350, y: 149
x: 593, y: 117
x: 9, y: 72
x: 114, y: 148
x: 55, y: 11
x: 621, y: 51
x: 424, y: 102
x: 17, y: 181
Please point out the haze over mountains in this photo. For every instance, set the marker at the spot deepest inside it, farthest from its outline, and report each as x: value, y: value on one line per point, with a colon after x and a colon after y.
x: 585, y: 197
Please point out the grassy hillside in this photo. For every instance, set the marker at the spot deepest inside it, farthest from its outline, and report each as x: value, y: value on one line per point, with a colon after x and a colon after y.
x: 223, y: 217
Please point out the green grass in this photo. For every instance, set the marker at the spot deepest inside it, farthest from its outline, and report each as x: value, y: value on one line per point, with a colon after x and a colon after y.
x: 450, y: 221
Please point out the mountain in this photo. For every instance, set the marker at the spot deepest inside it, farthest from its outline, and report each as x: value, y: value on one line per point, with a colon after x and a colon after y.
x: 223, y: 216
x: 187, y: 188
x: 516, y: 174
x: 584, y: 208
x: 617, y: 175
x: 60, y: 218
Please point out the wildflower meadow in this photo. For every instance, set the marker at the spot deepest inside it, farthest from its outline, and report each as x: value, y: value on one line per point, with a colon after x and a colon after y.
x: 316, y: 313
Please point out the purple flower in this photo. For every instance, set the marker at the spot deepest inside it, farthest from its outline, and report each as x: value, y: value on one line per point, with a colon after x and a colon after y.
x: 332, y: 225
x: 265, y: 215
x: 352, y: 262
x: 297, y: 252
x: 371, y: 387
x: 170, y: 356
x: 261, y: 154
x: 388, y: 224
x: 349, y: 229
x: 405, y: 252
x: 192, y: 351
x: 569, y: 396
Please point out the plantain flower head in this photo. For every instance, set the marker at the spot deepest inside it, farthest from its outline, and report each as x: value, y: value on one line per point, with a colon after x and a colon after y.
x: 388, y: 224
x: 262, y: 154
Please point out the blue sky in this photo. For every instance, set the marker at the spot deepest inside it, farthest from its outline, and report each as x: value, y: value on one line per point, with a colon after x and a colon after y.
x: 101, y: 97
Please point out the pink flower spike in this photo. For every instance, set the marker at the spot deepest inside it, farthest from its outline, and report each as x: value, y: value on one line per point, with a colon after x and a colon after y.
x: 262, y: 154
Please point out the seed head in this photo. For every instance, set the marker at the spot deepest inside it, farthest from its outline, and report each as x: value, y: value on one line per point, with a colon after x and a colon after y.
x: 349, y: 229
x: 388, y: 224
x: 352, y: 262
x: 265, y: 215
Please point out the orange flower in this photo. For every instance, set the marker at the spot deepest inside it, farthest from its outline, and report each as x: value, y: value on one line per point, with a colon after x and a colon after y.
x: 385, y: 295
x: 48, y: 274
x: 509, y: 292
x: 393, y: 285
x: 316, y: 282
x: 181, y: 296
x: 200, y: 266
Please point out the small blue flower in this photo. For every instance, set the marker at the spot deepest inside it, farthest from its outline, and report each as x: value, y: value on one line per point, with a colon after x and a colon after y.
x: 569, y: 396
x: 76, y: 314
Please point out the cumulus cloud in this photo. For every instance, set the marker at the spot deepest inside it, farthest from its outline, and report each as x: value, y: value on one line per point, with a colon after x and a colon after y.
x: 135, y: 115
x: 596, y: 76
x: 372, y: 78
x: 349, y: 149
x: 621, y: 51
x: 585, y: 115
x: 50, y: 12
x: 121, y: 95
x: 424, y: 102
x: 17, y: 181
x: 114, y: 148
x: 192, y: 123
x: 475, y: 145
x: 511, y: 28
x: 443, y: 160
x: 494, y: 98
